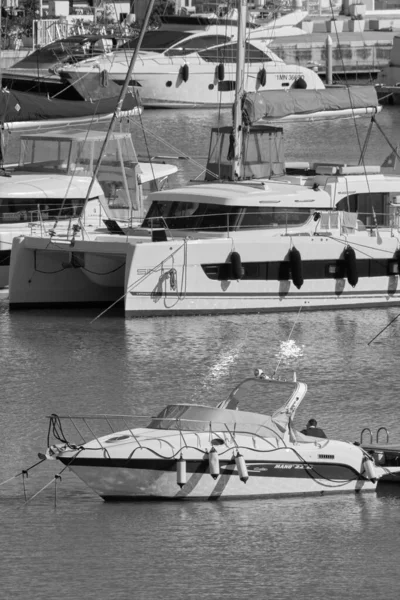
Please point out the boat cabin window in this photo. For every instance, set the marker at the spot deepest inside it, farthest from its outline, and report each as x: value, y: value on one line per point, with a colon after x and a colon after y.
x: 45, y: 155
x: 38, y: 209
x: 216, y: 217
x: 229, y: 54
x: 273, y: 216
x: 190, y: 215
x: 157, y: 41
x: 197, y: 44
x: 365, y: 205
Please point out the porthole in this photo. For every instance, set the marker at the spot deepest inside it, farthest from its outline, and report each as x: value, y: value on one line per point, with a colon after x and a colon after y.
x: 118, y: 438
x: 217, y: 442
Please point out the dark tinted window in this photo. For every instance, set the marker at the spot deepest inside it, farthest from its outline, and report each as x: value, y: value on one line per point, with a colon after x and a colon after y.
x: 197, y: 44
x: 228, y: 54
x: 190, y: 215
x: 158, y: 41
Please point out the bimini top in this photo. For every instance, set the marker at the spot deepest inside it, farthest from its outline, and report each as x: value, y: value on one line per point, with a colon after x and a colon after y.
x: 246, y: 194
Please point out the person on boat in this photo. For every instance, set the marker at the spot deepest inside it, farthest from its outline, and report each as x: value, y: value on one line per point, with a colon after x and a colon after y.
x: 312, y: 429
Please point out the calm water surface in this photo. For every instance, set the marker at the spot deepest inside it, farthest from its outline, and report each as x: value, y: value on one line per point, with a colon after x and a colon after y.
x: 302, y: 548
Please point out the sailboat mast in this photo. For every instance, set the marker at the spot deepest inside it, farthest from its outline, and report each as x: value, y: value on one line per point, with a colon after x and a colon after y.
x: 239, y: 90
x: 122, y: 95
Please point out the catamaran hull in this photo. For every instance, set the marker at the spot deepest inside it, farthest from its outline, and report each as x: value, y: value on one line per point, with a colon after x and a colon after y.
x: 98, y: 272
x: 266, y: 480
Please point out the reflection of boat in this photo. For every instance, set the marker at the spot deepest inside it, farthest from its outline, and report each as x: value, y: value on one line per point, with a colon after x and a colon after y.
x: 46, y: 193
x: 191, y: 62
x: 37, y: 72
x: 192, y: 451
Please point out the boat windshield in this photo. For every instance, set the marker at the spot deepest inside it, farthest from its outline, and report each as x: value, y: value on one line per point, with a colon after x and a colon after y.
x: 216, y: 217
x: 264, y: 396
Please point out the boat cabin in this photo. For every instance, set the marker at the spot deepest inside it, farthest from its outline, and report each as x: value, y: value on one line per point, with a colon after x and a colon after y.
x: 76, y: 154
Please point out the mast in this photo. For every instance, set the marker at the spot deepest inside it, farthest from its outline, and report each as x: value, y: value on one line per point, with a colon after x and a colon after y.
x: 121, y: 96
x: 1, y: 45
x: 239, y: 90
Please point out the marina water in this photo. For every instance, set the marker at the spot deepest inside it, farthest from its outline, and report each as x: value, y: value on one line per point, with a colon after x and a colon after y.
x: 67, y: 543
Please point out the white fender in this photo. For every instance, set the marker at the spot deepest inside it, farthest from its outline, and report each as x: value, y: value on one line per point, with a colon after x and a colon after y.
x: 181, y: 472
x: 241, y: 467
x: 369, y: 469
x: 213, y: 460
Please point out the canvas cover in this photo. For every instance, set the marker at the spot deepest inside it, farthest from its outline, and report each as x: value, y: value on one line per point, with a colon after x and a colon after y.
x: 281, y: 103
x: 23, y: 106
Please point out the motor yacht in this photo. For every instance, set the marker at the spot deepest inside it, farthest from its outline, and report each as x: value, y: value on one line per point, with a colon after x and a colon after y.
x: 37, y: 72
x: 191, y: 62
x: 245, y: 447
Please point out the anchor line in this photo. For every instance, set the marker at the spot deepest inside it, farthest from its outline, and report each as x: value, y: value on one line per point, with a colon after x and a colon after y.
x: 55, y: 478
x: 382, y: 330
x: 24, y: 472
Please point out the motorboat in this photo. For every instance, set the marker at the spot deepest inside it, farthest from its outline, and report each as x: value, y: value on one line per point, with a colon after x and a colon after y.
x: 284, y: 236
x: 37, y: 72
x: 50, y: 191
x: 22, y: 110
x: 191, y: 62
x: 245, y: 447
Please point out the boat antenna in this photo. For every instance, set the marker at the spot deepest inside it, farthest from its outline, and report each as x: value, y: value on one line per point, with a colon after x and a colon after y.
x: 237, y: 130
x: 122, y: 95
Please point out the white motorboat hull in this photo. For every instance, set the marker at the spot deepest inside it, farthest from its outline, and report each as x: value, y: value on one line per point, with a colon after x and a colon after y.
x: 160, y: 85
x: 140, y: 484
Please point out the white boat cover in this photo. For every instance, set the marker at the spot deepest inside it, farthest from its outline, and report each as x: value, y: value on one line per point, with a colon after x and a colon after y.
x: 281, y: 103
